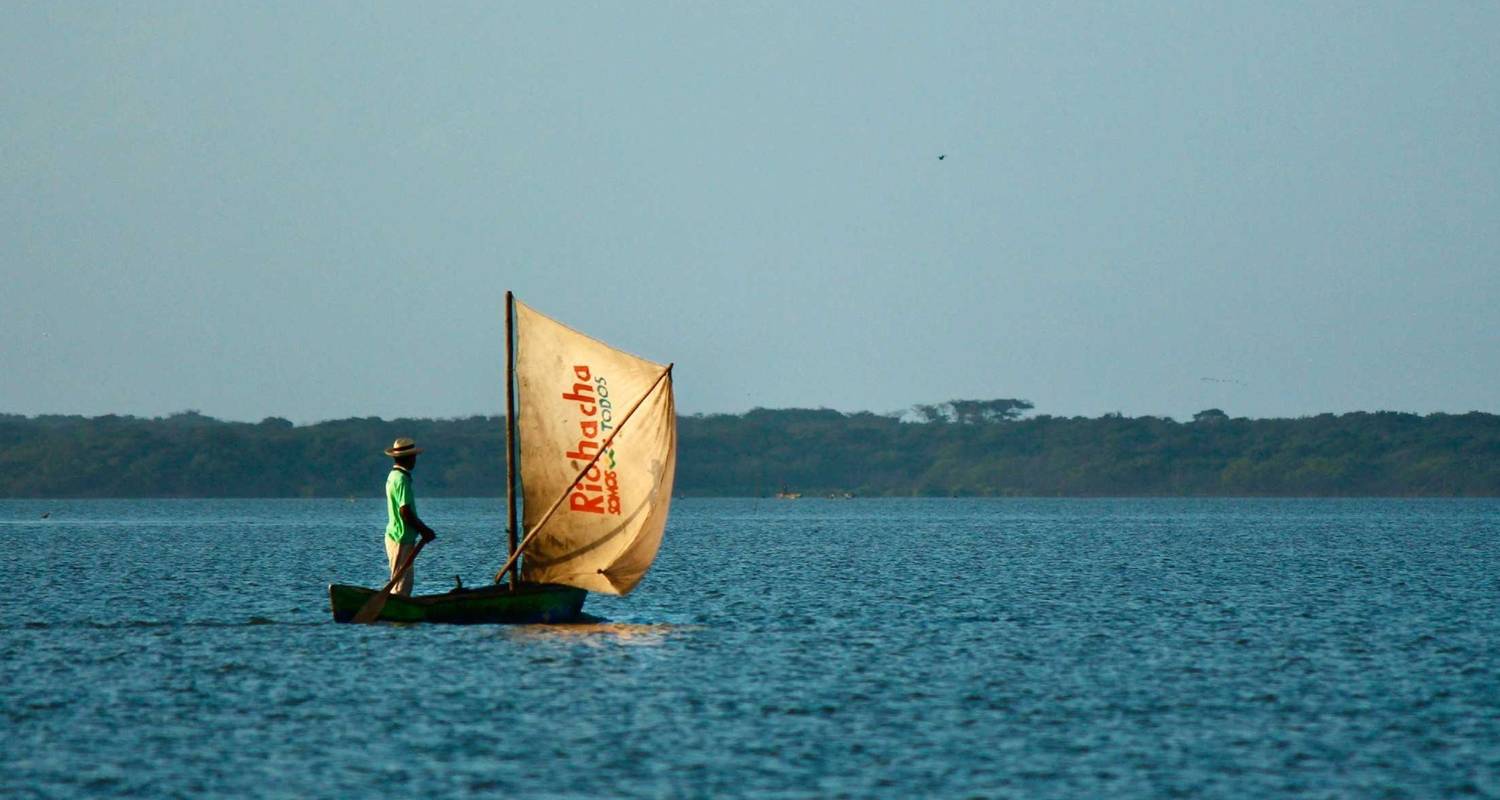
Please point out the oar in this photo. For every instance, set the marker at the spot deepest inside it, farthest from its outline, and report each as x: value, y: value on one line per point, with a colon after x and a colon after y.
x: 372, y: 607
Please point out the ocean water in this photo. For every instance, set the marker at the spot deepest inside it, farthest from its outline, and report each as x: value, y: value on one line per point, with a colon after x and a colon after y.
x: 810, y: 648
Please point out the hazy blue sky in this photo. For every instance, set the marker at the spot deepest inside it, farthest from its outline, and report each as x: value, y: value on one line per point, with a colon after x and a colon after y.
x: 313, y: 210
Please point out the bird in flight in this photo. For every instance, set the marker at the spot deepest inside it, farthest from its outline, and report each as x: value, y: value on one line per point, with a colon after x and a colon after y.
x: 943, y: 156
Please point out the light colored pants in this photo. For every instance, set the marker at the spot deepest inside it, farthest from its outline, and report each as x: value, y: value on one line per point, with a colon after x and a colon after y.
x: 394, y: 553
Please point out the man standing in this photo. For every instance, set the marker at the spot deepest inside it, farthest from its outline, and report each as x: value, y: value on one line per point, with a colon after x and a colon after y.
x: 403, y: 526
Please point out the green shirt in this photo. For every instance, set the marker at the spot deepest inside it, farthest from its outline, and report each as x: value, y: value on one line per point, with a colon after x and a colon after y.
x: 398, y: 494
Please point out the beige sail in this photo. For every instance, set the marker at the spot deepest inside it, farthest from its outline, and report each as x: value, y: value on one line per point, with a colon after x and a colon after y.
x: 572, y: 393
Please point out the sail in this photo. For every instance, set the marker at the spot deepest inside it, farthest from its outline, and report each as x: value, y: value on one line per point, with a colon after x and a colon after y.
x: 573, y: 392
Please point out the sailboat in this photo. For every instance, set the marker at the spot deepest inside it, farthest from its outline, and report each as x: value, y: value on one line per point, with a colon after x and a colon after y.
x: 591, y: 439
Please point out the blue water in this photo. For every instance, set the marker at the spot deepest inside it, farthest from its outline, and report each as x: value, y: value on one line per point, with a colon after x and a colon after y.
x: 810, y: 648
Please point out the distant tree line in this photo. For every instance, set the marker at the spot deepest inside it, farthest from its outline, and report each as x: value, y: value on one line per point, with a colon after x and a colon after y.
x: 959, y: 448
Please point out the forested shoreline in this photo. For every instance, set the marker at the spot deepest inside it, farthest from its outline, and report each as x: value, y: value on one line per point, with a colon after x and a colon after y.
x: 962, y: 448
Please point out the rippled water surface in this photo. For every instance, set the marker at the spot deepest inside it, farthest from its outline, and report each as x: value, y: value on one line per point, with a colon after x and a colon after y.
x: 810, y: 648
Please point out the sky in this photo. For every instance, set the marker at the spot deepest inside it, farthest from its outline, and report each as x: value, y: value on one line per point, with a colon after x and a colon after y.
x: 313, y: 210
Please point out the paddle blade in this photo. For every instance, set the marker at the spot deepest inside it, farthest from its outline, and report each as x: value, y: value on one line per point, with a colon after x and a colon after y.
x: 370, y: 611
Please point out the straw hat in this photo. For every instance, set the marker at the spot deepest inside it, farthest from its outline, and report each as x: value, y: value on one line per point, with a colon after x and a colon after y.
x: 403, y: 447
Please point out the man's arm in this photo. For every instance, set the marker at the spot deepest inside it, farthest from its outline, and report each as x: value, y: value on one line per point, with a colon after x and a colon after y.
x: 409, y: 517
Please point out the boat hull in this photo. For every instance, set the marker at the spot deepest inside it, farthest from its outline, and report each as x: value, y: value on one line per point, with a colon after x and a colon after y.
x: 529, y: 603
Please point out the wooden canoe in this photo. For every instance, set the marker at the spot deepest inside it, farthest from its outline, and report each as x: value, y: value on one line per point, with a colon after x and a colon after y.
x: 529, y: 603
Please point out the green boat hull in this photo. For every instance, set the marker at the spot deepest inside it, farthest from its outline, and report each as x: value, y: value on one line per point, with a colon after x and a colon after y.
x: 529, y: 603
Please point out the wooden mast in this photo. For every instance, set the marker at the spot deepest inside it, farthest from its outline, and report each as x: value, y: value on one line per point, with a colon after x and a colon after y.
x: 510, y: 442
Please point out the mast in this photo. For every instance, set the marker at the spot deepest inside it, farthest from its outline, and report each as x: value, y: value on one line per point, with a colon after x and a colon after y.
x: 510, y: 442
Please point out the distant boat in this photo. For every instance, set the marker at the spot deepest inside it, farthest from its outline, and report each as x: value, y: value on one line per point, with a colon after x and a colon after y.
x: 595, y: 493
x: 786, y: 495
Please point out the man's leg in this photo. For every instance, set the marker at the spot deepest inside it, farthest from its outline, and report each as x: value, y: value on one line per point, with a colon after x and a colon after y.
x: 394, y: 553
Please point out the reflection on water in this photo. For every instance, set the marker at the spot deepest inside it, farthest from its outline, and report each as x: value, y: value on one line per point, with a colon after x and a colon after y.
x: 600, y: 633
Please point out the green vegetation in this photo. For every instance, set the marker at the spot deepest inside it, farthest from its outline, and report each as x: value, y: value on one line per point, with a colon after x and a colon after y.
x: 964, y: 448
